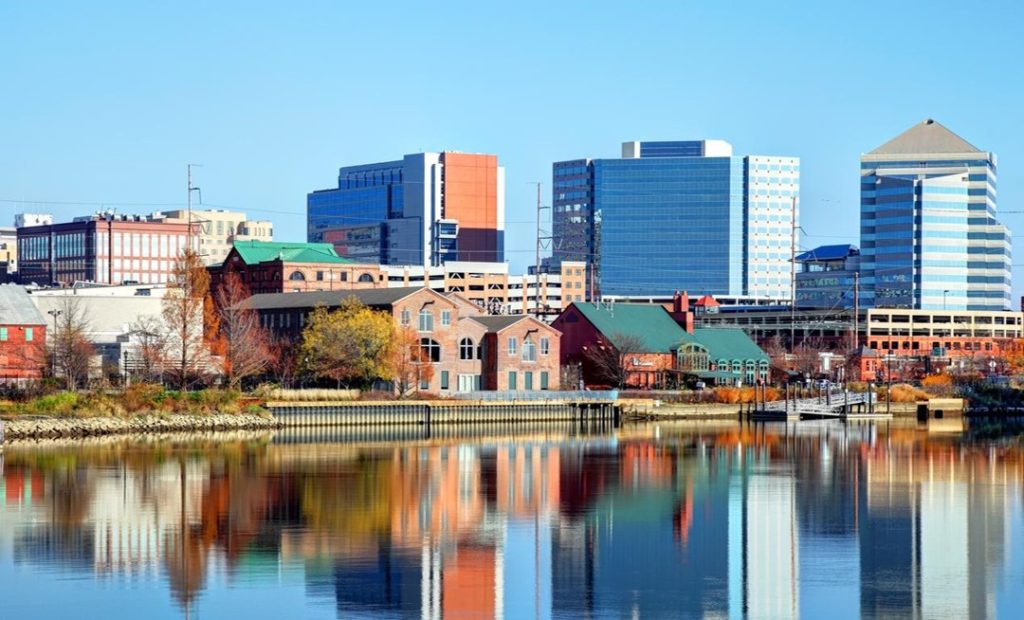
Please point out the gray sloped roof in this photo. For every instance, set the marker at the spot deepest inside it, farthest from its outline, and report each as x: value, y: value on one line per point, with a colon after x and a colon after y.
x: 16, y: 307
x: 375, y: 297
x: 928, y: 136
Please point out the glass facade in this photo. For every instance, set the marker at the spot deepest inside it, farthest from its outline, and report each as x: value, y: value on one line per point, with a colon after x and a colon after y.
x: 426, y: 209
x: 353, y: 215
x: 684, y: 215
x: 930, y: 239
x: 670, y: 224
x: 575, y: 225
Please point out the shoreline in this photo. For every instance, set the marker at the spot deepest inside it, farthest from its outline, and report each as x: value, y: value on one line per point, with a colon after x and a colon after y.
x: 72, y: 427
x: 75, y: 427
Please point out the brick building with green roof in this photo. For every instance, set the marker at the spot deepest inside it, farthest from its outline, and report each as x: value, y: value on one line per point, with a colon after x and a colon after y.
x: 287, y: 267
x: 656, y: 347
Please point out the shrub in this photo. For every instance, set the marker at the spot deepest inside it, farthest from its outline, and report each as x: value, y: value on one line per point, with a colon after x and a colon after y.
x: 143, y: 397
x: 743, y: 395
x: 939, y: 385
x: 61, y: 403
x: 903, y: 393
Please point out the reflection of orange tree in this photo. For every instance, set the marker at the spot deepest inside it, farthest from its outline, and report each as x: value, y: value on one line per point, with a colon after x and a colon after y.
x: 355, y: 503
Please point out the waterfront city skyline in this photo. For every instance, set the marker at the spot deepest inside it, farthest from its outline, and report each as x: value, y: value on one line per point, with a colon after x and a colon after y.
x: 144, y: 90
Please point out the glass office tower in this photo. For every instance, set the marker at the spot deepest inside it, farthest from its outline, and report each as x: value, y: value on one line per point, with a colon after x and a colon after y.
x: 929, y: 234
x: 426, y: 209
x: 680, y: 215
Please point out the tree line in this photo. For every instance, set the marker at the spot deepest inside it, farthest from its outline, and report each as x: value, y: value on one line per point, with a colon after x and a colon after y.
x: 205, y: 335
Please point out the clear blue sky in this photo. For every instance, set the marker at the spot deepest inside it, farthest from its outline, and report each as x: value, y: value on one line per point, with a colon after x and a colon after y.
x: 107, y: 102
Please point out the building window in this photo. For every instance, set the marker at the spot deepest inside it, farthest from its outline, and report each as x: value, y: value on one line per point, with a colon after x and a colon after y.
x: 528, y: 380
x: 466, y: 349
x: 366, y: 278
x: 511, y: 379
x: 406, y: 317
x: 320, y: 276
x: 444, y: 379
x: 424, y: 384
x: 529, y: 351
x: 544, y: 380
x: 29, y: 334
x: 3, y: 334
x: 431, y: 350
x: 297, y: 275
x: 545, y: 345
x: 512, y: 346
x: 693, y: 357
x: 344, y: 276
x: 446, y: 318
x: 426, y: 321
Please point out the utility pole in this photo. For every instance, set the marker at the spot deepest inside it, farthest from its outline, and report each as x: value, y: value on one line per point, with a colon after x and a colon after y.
x: 543, y: 242
x: 856, y: 309
x: 53, y: 337
x: 792, y: 278
x: 189, y: 203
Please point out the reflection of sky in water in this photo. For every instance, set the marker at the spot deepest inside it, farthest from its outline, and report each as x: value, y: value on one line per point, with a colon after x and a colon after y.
x: 703, y: 521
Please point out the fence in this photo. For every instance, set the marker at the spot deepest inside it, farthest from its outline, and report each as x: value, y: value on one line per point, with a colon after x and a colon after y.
x: 572, y: 396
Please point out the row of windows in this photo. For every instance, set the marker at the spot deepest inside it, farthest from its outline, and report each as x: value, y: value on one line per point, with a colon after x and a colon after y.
x: 29, y: 334
x: 513, y: 380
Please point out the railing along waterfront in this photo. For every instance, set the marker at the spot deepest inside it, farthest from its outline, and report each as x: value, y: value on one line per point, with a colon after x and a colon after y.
x: 440, y: 412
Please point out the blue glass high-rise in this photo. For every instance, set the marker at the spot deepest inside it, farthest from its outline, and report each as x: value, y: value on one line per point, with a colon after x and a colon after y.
x: 929, y: 235
x: 681, y: 215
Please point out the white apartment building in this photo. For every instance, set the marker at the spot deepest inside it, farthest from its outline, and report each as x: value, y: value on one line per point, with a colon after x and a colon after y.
x: 220, y: 229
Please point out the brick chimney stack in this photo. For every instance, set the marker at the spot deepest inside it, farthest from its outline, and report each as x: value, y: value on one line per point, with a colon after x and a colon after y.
x: 681, y: 311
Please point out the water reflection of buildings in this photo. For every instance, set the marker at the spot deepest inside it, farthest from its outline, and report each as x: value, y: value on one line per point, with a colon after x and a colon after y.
x: 739, y: 523
x: 933, y: 532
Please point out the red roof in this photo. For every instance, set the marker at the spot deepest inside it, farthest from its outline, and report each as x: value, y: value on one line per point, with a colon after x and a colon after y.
x: 707, y: 301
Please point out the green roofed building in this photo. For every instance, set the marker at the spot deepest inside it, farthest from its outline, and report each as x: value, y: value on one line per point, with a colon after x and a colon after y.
x: 286, y: 267
x: 654, y: 347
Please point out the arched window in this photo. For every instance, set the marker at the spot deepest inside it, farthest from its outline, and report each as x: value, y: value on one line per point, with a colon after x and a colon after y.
x: 466, y: 349
x: 693, y: 357
x: 426, y: 321
x: 529, y: 351
x: 366, y: 278
x: 431, y: 350
x: 297, y: 275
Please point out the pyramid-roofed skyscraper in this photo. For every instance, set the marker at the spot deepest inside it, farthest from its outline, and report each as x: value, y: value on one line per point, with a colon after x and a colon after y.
x: 929, y: 234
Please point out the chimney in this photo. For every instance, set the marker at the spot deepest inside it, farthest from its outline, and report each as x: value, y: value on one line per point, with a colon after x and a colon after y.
x: 681, y: 311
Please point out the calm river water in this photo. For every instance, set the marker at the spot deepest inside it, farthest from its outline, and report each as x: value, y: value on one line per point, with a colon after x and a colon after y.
x: 691, y: 520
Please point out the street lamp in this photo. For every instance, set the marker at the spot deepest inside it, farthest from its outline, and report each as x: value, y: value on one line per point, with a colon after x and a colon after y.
x: 54, y: 313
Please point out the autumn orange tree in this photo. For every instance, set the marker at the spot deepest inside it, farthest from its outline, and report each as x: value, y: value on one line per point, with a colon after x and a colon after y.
x: 410, y: 364
x: 185, y: 308
x: 350, y: 345
x: 239, y: 339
